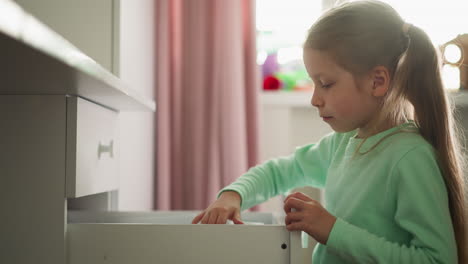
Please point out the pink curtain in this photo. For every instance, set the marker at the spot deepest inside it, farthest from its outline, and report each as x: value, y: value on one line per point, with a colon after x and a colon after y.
x: 207, y: 84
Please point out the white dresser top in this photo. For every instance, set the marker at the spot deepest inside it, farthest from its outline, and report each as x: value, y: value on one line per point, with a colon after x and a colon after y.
x: 36, y: 60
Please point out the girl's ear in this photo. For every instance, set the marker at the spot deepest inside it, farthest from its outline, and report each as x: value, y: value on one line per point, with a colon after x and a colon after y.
x: 381, y: 78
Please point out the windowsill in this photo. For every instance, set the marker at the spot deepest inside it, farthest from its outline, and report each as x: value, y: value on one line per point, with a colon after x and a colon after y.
x: 302, y: 98
x: 286, y: 98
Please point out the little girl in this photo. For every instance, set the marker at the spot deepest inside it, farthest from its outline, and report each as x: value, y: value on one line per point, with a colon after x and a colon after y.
x: 391, y: 170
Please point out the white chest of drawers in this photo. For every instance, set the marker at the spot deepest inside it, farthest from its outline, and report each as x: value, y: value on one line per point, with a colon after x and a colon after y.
x: 35, y: 156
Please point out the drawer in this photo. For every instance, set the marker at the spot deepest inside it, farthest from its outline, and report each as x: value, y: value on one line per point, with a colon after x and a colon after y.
x: 155, y: 238
x: 91, y: 148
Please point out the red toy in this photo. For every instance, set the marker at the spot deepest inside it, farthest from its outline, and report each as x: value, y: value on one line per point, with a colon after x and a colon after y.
x: 271, y: 83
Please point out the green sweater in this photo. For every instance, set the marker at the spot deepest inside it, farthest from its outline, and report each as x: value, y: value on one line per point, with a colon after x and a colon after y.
x: 391, y: 204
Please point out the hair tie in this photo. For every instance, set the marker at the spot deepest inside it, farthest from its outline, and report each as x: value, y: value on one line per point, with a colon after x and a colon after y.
x: 406, y: 27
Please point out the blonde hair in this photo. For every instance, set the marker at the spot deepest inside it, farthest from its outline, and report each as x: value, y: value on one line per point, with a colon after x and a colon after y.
x: 364, y: 34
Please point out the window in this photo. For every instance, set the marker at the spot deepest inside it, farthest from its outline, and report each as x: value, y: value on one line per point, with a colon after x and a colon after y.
x: 282, y: 26
x: 281, y: 30
x: 442, y: 21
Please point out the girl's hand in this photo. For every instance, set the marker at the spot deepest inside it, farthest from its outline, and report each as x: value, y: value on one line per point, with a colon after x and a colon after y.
x: 305, y: 214
x: 226, y: 207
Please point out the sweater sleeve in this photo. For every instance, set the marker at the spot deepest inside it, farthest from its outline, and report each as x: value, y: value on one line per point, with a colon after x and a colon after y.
x: 308, y: 165
x: 422, y: 210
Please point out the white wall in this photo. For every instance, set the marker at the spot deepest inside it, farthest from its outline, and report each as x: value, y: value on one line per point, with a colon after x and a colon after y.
x: 137, y: 129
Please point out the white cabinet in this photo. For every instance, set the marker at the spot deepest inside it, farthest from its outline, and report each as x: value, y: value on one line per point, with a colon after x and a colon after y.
x: 34, y: 166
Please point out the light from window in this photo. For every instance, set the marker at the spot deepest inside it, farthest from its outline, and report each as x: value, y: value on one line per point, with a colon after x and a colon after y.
x: 282, y: 27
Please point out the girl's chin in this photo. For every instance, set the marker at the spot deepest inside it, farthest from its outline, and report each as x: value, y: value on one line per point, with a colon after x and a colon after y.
x: 339, y: 129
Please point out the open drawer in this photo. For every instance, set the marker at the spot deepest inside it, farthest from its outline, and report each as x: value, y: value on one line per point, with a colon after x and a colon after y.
x: 168, y: 237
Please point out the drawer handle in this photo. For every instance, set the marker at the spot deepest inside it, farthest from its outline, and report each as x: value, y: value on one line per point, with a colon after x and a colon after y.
x: 106, y: 148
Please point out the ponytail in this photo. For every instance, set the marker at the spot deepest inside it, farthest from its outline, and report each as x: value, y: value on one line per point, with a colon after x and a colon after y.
x: 418, y: 79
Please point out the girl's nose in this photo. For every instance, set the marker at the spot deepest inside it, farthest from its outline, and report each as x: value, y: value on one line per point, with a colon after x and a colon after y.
x: 316, y: 100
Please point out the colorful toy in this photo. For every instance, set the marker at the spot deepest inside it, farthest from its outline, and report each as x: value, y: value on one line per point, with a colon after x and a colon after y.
x: 270, y: 66
x: 271, y: 83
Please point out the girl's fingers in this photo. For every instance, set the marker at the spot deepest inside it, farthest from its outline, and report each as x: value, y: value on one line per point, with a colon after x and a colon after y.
x: 216, y: 217
x: 293, y: 217
x: 293, y: 203
x: 198, y: 218
x: 206, y: 218
x: 221, y: 219
x: 299, y: 196
x: 302, y: 196
x: 237, y: 220
x: 213, y: 218
x: 295, y: 226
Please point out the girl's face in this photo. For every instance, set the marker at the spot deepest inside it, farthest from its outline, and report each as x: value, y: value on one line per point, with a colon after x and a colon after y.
x: 344, y: 102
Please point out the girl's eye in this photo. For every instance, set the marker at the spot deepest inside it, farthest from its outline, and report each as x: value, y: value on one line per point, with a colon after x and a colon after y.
x: 327, y: 85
